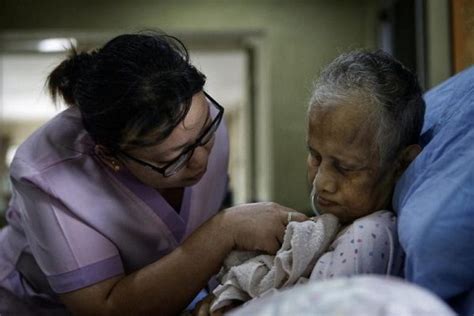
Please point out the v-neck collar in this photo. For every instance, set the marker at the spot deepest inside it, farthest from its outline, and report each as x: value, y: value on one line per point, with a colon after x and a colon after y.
x: 175, y: 222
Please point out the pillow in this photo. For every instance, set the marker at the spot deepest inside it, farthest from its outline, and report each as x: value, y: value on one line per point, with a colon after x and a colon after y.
x: 434, y: 198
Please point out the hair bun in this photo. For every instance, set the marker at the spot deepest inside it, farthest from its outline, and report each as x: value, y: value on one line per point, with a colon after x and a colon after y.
x: 63, y: 79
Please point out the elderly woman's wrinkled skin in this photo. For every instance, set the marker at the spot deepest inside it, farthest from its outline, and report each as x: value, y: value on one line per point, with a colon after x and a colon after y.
x: 344, y: 163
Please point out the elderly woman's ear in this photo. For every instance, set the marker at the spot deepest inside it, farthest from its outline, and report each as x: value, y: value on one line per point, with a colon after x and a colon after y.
x: 405, y: 157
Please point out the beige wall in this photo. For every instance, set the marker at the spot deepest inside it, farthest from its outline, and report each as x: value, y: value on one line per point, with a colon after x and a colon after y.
x: 294, y: 40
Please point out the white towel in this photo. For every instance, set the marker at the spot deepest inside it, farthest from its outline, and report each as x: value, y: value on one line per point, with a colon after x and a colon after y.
x: 246, y: 275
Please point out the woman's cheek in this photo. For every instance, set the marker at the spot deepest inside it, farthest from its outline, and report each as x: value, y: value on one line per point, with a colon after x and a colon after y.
x: 311, y: 169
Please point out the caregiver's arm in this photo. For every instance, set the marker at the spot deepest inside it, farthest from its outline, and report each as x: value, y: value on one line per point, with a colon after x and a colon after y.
x: 168, y: 285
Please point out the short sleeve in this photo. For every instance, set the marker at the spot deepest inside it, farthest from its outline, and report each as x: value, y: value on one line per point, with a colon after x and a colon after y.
x: 368, y: 246
x: 71, y: 253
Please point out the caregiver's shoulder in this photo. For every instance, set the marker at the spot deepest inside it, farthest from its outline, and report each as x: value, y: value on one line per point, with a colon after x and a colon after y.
x: 60, y: 139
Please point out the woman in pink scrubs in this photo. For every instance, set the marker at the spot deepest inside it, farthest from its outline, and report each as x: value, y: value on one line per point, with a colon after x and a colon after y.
x: 115, y: 200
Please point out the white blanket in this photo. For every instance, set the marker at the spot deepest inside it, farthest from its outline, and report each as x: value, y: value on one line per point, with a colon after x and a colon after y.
x: 246, y: 275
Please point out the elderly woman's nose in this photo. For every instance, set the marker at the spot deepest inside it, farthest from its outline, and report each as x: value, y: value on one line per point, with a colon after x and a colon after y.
x: 324, y: 180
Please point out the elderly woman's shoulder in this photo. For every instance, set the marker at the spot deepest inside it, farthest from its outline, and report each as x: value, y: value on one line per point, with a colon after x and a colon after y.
x: 370, y: 227
x: 379, y: 219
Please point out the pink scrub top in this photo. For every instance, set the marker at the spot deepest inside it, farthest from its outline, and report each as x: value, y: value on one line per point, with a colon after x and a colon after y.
x: 74, y: 222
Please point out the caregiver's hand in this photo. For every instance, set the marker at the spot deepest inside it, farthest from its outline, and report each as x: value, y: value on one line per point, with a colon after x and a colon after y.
x: 258, y: 226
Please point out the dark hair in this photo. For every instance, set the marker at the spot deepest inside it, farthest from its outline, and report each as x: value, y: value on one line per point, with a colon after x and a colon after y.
x: 132, y: 92
x: 386, y: 83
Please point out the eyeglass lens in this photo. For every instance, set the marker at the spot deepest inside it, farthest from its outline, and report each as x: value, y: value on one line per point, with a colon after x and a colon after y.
x: 184, y: 158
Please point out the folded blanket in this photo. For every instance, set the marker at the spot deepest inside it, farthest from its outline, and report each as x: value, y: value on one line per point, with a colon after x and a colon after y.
x: 246, y: 275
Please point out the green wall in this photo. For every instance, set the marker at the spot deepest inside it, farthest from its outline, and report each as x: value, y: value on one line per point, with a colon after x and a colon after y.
x: 293, y: 40
x: 438, y: 51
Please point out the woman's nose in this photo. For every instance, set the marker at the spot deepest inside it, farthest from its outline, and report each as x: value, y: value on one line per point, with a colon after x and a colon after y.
x: 201, y: 154
x: 199, y: 157
x: 324, y: 180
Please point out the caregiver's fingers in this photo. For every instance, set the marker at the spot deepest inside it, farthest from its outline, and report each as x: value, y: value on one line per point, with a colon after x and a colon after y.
x: 293, y: 216
x: 281, y: 237
x: 257, y: 226
x: 203, y: 307
x: 271, y: 246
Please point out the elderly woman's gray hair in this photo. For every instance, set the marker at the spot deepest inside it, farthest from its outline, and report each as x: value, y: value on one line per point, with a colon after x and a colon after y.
x: 377, y: 79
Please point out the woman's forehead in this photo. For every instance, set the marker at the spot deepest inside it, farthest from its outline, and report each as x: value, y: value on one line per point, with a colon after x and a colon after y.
x: 192, y: 124
x: 345, y: 128
x: 185, y: 132
x: 197, y: 114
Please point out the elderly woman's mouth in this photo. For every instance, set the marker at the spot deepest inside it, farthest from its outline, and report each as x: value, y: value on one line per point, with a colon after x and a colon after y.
x: 325, y: 202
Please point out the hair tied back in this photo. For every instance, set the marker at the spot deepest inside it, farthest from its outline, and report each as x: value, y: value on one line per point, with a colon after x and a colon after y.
x: 62, y: 81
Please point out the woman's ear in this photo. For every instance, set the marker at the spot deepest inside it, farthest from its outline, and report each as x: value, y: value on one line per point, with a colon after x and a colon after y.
x: 406, y: 156
x: 107, y: 158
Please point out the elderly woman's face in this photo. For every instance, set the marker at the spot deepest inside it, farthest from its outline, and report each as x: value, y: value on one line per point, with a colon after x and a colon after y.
x: 344, y: 164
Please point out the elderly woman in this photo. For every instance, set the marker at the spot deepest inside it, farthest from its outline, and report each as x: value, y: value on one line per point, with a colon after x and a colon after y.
x: 364, y: 120
x: 115, y: 200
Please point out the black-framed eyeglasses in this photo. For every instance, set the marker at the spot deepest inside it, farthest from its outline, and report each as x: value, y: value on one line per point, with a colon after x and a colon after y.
x: 179, y: 162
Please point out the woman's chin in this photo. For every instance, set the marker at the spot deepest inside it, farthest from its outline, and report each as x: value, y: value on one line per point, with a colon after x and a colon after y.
x: 340, y: 214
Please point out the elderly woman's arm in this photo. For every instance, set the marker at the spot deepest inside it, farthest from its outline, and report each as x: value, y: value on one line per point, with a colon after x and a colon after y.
x: 168, y: 285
